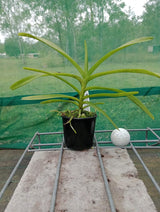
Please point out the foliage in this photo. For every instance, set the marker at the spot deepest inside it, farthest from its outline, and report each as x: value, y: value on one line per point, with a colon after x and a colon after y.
x: 2, y: 48
x: 151, y: 19
x: 67, y: 23
x: 11, y: 46
x: 102, y: 23
x: 83, y: 78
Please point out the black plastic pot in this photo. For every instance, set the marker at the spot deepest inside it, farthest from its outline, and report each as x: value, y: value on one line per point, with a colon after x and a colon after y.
x: 83, y: 138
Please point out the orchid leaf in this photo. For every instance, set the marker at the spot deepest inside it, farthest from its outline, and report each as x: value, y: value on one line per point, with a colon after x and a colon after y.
x: 25, y: 81
x: 106, y: 56
x: 102, y: 112
x: 122, y: 94
x: 57, y: 75
x: 86, y: 58
x: 50, y: 96
x: 56, y: 48
x: 59, y: 100
x: 141, y: 105
x: 118, y: 71
x: 103, y: 88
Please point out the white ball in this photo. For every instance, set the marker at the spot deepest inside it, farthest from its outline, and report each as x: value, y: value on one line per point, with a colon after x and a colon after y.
x: 120, y: 137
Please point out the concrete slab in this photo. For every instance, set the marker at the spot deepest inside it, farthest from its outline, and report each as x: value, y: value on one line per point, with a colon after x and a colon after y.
x: 81, y: 186
x: 129, y: 192
x: 34, y: 191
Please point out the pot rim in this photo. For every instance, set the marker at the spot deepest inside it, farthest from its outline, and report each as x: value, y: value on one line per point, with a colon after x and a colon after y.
x: 91, y: 117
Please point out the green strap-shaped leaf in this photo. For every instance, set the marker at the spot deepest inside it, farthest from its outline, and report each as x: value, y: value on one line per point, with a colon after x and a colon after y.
x: 59, y: 100
x: 105, y: 57
x: 56, y: 75
x: 102, y: 112
x: 104, y: 88
x: 122, y: 94
x: 131, y: 97
x: 141, y: 105
x: 137, y: 71
x: 25, y: 81
x: 56, y: 48
x: 50, y: 96
x: 86, y: 57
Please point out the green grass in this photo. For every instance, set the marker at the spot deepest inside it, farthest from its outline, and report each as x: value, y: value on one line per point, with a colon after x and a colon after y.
x: 19, y: 123
x: 12, y: 70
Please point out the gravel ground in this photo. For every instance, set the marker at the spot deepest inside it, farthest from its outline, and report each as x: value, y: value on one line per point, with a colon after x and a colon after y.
x: 151, y: 157
x: 8, y: 160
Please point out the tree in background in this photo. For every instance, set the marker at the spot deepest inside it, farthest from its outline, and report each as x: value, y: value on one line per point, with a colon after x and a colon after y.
x: 151, y: 20
x: 16, y: 16
x: 102, y: 23
x: 11, y: 47
x: 2, y: 48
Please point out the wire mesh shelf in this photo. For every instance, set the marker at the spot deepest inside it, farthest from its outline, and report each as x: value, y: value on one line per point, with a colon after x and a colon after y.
x: 150, y: 139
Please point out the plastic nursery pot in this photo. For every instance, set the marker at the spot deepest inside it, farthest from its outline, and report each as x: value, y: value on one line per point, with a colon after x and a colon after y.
x: 83, y: 138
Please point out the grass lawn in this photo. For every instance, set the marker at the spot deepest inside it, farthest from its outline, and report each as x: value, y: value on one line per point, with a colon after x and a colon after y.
x: 19, y: 122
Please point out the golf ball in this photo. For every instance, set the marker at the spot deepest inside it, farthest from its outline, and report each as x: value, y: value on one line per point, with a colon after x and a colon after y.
x: 120, y: 137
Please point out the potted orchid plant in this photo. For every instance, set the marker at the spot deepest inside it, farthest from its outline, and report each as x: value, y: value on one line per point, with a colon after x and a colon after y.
x: 79, y: 124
